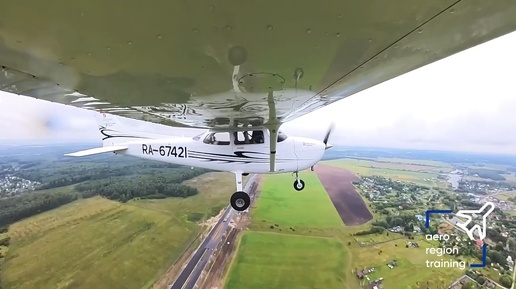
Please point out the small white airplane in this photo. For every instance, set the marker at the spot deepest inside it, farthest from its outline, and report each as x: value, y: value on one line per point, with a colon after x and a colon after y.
x: 241, y: 151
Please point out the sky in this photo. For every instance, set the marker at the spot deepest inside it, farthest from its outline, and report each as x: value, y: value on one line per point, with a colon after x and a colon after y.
x: 466, y: 102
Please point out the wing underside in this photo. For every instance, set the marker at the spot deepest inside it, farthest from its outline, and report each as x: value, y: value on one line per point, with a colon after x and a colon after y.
x: 211, y: 65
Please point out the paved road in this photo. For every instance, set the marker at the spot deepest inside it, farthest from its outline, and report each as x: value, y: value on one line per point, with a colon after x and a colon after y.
x: 191, y: 273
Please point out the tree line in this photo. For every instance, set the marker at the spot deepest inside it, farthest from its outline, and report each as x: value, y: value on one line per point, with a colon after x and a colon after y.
x: 64, y: 174
x: 14, y: 209
x: 405, y: 221
x: 488, y: 174
x: 124, y: 188
x: 161, y: 184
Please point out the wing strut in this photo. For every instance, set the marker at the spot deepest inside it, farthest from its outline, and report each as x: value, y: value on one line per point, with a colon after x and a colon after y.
x: 274, y: 138
x: 273, y: 125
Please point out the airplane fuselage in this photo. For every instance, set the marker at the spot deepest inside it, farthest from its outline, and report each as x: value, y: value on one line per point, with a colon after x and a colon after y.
x: 242, y: 150
x: 292, y: 154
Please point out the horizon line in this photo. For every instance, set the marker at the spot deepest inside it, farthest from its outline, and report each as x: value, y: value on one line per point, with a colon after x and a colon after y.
x: 28, y: 143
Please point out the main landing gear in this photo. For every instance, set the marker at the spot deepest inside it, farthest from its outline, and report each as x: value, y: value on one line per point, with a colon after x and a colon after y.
x: 299, y: 185
x: 240, y: 200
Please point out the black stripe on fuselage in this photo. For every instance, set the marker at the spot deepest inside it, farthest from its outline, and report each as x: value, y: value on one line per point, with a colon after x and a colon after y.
x: 104, y: 131
x: 226, y: 158
x: 239, y: 154
x: 232, y: 158
x: 219, y: 160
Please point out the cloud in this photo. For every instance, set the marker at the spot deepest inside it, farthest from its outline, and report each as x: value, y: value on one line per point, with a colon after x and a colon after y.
x: 490, y: 130
x: 24, y: 118
x: 466, y: 101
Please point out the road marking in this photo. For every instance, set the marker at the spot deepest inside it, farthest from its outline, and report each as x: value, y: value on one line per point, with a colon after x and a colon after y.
x: 207, y: 249
x: 193, y: 270
x: 249, y: 185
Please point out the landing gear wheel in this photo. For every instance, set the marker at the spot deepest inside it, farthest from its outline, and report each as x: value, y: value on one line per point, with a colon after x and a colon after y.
x: 299, y: 185
x: 240, y: 201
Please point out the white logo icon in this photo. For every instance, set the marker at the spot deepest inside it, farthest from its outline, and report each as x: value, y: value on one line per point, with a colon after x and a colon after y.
x: 486, y: 209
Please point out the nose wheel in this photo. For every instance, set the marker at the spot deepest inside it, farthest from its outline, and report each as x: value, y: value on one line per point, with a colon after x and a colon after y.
x: 240, y: 201
x: 299, y: 185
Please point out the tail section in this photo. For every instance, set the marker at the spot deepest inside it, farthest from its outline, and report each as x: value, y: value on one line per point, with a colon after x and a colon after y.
x: 109, y: 121
x: 114, y: 132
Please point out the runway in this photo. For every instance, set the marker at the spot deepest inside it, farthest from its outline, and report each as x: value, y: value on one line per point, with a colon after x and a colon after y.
x: 193, y: 270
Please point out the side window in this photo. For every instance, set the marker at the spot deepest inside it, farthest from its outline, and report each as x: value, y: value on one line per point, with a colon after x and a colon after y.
x: 217, y: 138
x: 197, y: 137
x: 249, y: 137
x: 242, y: 137
x: 281, y: 136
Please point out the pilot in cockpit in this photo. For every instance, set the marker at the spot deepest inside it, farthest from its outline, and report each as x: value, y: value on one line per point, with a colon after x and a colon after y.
x: 247, y: 137
x: 257, y: 137
x: 212, y: 139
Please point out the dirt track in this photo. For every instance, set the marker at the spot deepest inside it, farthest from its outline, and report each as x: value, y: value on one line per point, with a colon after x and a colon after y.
x: 221, y: 262
x: 338, y: 183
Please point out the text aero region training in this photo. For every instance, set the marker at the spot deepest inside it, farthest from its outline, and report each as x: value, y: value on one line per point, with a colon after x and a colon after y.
x: 443, y: 263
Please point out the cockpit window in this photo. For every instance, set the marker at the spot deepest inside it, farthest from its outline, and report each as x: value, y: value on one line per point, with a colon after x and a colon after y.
x: 281, y: 136
x: 197, y: 137
x: 217, y: 138
x: 249, y: 137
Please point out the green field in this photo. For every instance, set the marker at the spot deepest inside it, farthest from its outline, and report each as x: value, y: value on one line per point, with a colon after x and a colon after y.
x: 426, y: 163
x: 268, y: 260
x: 310, y: 256
x: 306, y: 258
x: 280, y: 204
x: 510, y: 178
x: 415, y: 171
x: 98, y: 243
x: 506, y: 196
x: 376, y: 238
x: 411, y: 267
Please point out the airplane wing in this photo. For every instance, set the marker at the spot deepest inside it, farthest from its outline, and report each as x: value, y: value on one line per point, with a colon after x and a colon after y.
x: 95, y: 151
x: 213, y: 64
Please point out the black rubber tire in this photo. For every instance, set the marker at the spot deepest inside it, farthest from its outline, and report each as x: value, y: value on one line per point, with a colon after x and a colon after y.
x: 240, y: 201
x: 299, y: 186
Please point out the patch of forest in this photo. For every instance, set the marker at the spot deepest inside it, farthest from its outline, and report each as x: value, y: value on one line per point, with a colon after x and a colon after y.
x: 156, y: 186
x: 488, y: 174
x: 113, y: 177
x: 64, y: 174
x: 15, y: 209
x: 122, y: 188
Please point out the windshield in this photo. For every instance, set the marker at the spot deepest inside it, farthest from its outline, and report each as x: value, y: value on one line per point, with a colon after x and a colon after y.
x: 281, y: 136
x: 198, y: 137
